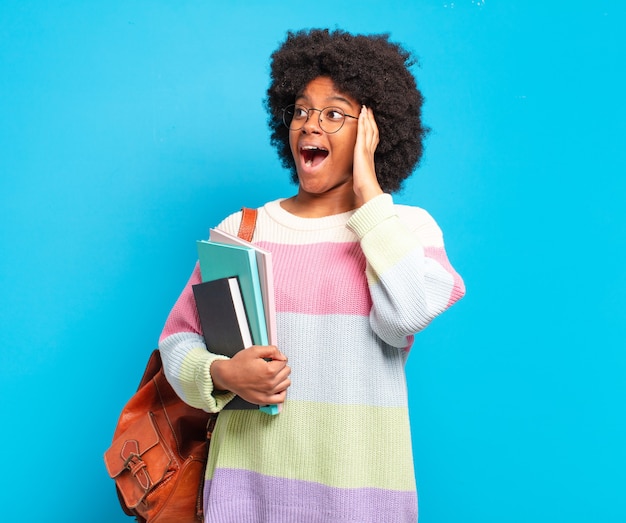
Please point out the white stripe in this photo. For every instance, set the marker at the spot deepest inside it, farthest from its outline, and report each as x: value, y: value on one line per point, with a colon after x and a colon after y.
x: 174, y: 350
x: 351, y: 375
x: 423, y: 298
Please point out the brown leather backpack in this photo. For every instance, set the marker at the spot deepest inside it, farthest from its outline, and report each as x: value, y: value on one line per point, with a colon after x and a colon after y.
x: 159, y: 452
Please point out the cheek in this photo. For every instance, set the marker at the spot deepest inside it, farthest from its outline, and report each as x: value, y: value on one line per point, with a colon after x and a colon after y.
x: 346, y: 148
x: 292, y: 145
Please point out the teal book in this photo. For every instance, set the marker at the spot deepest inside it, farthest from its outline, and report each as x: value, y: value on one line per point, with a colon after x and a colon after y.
x: 220, y: 260
x: 266, y: 275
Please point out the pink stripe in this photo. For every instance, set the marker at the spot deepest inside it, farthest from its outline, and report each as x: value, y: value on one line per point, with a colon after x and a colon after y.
x: 439, y: 255
x: 184, y: 314
x: 336, y: 272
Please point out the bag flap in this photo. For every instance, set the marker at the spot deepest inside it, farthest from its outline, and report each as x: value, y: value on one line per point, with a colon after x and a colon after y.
x: 137, y: 460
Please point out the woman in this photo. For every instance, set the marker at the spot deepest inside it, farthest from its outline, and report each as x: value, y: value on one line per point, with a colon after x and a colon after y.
x: 356, y: 277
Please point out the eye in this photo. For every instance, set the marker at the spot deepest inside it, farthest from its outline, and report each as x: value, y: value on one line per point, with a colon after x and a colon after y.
x: 333, y: 114
x: 300, y: 113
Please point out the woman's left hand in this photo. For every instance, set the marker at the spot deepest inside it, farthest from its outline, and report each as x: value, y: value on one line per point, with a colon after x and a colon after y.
x: 364, y: 181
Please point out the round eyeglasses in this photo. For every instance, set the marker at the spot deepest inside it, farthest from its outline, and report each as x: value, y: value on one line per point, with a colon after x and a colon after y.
x: 331, y: 119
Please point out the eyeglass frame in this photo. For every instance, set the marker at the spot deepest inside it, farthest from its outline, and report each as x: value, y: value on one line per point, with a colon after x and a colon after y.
x: 319, y: 117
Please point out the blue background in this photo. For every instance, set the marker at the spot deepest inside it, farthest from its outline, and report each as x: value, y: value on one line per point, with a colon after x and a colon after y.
x: 127, y: 129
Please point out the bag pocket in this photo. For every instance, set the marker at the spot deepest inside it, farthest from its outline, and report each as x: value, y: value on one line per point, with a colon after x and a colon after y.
x: 139, y: 460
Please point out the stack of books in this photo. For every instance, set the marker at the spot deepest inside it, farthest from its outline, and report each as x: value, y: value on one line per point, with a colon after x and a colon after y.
x: 235, y: 299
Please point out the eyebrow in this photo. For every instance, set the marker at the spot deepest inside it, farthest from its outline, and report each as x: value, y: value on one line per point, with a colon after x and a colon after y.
x: 335, y: 98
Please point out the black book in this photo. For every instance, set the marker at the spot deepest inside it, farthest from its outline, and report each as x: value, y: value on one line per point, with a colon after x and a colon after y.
x: 224, y: 323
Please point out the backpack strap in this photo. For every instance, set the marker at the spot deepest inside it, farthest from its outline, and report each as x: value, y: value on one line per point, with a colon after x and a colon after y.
x: 248, y: 223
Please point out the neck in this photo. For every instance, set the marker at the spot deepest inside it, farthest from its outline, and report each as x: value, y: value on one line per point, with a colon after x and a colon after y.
x: 308, y: 205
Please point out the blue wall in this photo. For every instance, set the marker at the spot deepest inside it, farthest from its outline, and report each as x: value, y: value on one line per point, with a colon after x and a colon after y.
x: 127, y: 129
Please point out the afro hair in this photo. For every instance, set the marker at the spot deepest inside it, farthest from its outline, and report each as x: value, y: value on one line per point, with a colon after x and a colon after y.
x: 371, y: 69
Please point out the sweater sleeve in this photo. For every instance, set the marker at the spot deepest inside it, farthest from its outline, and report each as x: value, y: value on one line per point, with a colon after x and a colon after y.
x: 410, y: 278
x: 186, y: 360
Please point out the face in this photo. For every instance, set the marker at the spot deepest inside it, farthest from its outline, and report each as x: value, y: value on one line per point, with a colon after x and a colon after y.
x: 324, y: 161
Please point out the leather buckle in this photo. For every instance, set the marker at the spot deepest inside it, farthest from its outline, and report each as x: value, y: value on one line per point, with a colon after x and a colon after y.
x: 134, y: 463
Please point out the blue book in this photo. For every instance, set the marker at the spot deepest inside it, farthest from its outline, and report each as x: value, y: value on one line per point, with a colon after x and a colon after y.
x: 220, y: 260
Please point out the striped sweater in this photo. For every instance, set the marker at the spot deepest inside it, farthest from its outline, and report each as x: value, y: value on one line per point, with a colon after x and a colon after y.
x: 351, y: 291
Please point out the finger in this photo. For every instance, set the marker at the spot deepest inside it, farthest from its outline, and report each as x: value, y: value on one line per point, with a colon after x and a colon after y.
x: 279, y: 370
x: 277, y: 399
x: 282, y: 386
x: 272, y: 396
x: 283, y: 374
x: 360, y: 130
x: 368, y: 128
x: 372, y: 127
x: 363, y: 134
x: 277, y: 381
x: 269, y: 352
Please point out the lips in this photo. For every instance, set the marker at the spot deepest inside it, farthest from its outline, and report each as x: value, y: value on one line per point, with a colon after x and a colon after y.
x: 313, y: 155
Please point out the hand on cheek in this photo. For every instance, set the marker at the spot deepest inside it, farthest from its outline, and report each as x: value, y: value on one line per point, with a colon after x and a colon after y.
x: 365, y: 183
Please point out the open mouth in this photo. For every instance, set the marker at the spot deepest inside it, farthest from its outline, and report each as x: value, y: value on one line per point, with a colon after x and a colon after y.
x: 313, y: 156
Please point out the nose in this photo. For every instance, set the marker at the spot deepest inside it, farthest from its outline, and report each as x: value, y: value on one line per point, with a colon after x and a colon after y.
x: 312, y: 124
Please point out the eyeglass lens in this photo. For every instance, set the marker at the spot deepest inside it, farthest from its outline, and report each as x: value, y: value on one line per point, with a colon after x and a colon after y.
x: 330, y: 119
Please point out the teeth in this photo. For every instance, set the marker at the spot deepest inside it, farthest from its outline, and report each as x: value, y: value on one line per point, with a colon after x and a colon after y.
x: 309, y: 152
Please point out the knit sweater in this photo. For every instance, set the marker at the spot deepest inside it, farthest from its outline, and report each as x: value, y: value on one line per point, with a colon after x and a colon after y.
x: 351, y: 291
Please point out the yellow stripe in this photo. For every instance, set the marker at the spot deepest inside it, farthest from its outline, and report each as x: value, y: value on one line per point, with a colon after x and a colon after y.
x: 385, y: 246
x: 196, y: 383
x: 318, y: 442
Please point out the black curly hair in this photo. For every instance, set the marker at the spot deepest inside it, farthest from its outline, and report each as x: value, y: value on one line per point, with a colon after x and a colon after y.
x: 371, y: 69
